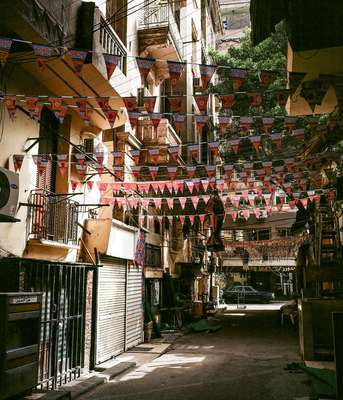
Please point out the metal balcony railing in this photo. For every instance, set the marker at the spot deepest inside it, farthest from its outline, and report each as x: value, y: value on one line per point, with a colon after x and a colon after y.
x: 52, y: 217
x: 111, y: 43
x: 162, y: 16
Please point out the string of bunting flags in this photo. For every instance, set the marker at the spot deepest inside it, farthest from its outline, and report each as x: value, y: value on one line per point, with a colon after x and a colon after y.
x: 34, y: 105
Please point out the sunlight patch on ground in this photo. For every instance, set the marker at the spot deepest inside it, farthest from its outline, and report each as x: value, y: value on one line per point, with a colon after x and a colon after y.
x: 252, y: 307
x: 166, y: 361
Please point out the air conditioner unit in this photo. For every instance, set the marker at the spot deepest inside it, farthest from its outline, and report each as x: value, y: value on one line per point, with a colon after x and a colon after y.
x: 9, y: 193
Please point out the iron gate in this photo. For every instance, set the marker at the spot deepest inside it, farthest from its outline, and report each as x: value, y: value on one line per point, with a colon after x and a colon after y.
x: 63, y: 312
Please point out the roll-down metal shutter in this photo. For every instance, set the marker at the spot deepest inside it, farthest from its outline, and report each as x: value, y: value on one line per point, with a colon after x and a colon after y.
x: 111, y: 309
x: 134, y: 307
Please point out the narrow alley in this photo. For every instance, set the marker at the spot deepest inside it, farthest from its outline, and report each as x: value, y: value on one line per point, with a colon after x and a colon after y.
x: 246, y: 359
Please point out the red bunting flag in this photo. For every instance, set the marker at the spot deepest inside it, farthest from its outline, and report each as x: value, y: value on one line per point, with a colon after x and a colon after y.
x: 237, y: 76
x: 81, y: 170
x: 255, y: 140
x: 179, y: 120
x: 103, y: 103
x: 74, y: 185
x: 220, y: 184
x: 42, y: 163
x: 282, y: 97
x: 133, y: 117
x: 169, y: 186
x: 248, y: 166
x: 214, y: 148
x: 202, y: 218
x: 234, y: 143
x: 205, y: 184
x: 191, y: 218
x: 102, y: 186
x: 193, y: 150
x: 190, y: 185
x: 11, y: 105
x: 223, y: 123
x: 201, y: 101
x: 156, y: 118
x: 135, y: 155
x: 267, y: 78
x: 130, y: 103
x: 245, y: 123
x: 136, y: 171
x: 277, y: 139
x: 182, y: 201
x: 42, y: 53
x: 144, y: 66
x: 206, y: 73
x: 174, y: 152
x: 90, y: 185
x: 267, y: 165
x: 149, y: 103
x: 78, y: 57
x: 118, y: 157
x: 153, y: 172
x: 175, y: 103
x: 118, y: 172
x: 195, y: 201
x: 211, y: 170
x: 289, y: 123
x: 228, y: 170
x: 191, y: 169
x: 267, y: 124
x: 289, y: 164
x: 201, y: 121
x: 255, y: 98
x: 172, y: 171
x: 158, y: 203
x: 31, y: 104
x: 62, y: 163
x: 228, y: 100
x: 299, y: 134
x: 234, y: 215
x: 111, y: 61
x: 170, y: 202
x: 5, y: 46
x: 154, y: 155
x: 175, y: 71
x: 246, y: 214
x: 86, y: 115
x: 18, y: 161
x: 182, y: 219
x: 111, y: 116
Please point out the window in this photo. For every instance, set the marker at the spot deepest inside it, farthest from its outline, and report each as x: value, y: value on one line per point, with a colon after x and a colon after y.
x: 152, y: 255
x: 284, y: 232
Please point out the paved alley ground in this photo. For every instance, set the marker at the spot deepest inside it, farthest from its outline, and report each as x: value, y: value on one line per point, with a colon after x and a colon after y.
x: 245, y: 360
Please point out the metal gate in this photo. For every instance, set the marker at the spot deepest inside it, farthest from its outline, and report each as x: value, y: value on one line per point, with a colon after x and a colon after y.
x: 111, y: 309
x: 134, y: 307
x: 63, y: 311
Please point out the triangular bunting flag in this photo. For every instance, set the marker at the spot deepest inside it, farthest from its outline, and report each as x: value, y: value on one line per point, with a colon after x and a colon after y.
x: 172, y: 171
x: 179, y: 120
x: 174, y: 152
x: 201, y: 101
x: 111, y: 61
x: 78, y: 57
x: 154, y: 155
x: 228, y: 100
x: 130, y: 103
x: 267, y: 78
x: 206, y: 73
x: 18, y: 161
x: 5, y: 46
x: 237, y: 76
x: 144, y: 66
x: 175, y: 71
x: 255, y: 98
x: 191, y: 169
x: 153, y: 172
x: 135, y: 155
x: 149, y: 103
x: 42, y: 53
x: 175, y: 103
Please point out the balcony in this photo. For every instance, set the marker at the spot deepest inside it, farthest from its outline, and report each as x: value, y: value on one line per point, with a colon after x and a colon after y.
x: 162, y: 137
x: 53, y: 219
x: 159, y: 32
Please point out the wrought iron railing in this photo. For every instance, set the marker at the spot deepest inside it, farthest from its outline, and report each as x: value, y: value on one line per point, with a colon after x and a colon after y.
x: 52, y: 217
x: 160, y: 16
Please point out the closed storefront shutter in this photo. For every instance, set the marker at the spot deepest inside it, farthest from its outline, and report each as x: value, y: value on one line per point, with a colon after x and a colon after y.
x: 111, y: 309
x: 134, y: 307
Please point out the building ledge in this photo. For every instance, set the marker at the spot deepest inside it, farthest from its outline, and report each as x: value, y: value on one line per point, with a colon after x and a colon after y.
x: 52, y: 243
